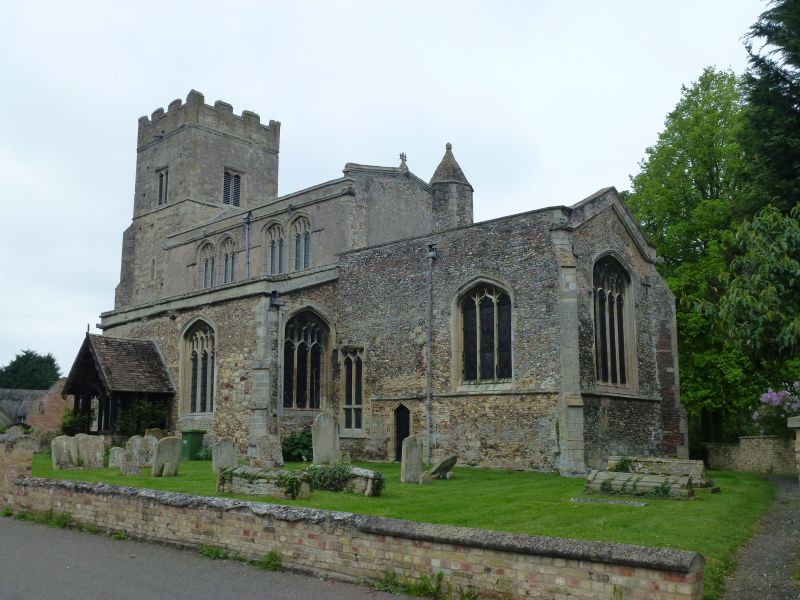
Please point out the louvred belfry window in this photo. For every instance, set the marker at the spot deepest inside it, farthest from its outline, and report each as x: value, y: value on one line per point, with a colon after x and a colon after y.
x: 163, y: 184
x: 611, y: 305
x: 231, y: 188
x: 486, y: 334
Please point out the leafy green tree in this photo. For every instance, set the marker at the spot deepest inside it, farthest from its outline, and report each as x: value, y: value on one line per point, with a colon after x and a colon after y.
x: 770, y: 136
x: 760, y: 308
x: 684, y: 197
x: 30, y: 371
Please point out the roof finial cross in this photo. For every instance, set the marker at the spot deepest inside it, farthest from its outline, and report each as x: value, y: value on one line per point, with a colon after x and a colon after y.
x: 403, y: 158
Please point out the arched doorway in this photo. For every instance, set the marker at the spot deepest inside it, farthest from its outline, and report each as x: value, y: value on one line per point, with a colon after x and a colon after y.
x: 402, y: 429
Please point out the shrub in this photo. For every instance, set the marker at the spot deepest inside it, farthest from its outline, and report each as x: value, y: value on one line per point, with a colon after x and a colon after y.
x: 777, y: 407
x: 335, y: 478
x: 624, y: 465
x: 72, y: 423
x: 203, y: 454
x: 142, y: 414
x: 298, y: 447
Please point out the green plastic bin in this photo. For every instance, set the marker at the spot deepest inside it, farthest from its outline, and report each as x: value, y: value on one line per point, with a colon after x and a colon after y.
x: 192, y: 442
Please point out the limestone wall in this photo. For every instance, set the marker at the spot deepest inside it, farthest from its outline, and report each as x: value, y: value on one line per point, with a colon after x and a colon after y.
x: 755, y: 454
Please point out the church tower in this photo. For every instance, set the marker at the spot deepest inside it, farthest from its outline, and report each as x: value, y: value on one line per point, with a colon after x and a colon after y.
x: 452, y: 194
x: 194, y: 164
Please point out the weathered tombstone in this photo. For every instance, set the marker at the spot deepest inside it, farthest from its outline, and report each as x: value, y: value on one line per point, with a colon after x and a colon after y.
x: 269, y: 453
x: 64, y: 450
x: 441, y: 469
x: 91, y: 449
x: 168, y: 450
x: 411, y: 460
x: 223, y: 454
x: 425, y: 478
x: 155, y: 432
x: 346, y: 457
x: 148, y: 454
x: 130, y: 467
x: 133, y: 449
x: 116, y: 457
x: 325, y: 439
x: 170, y: 469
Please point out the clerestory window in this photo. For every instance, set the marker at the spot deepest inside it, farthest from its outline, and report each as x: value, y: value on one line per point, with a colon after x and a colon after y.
x: 486, y: 334
x: 275, y: 249
x: 206, y: 266
x: 302, y: 244
x: 611, y: 284
x: 228, y: 261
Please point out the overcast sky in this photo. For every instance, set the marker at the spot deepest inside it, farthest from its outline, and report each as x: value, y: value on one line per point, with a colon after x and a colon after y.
x: 544, y: 103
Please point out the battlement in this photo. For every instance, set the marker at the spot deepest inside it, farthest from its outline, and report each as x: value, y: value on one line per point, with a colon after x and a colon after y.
x: 219, y: 117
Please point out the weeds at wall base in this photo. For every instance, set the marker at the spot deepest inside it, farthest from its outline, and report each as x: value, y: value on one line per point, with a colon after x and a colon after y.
x: 424, y: 587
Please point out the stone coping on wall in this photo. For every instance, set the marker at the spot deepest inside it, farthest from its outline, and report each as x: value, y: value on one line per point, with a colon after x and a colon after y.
x: 662, y: 559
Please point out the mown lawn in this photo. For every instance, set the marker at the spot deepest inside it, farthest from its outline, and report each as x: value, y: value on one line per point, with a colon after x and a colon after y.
x: 714, y: 525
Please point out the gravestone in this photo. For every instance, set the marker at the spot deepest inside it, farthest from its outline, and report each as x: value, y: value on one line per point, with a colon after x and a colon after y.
x: 155, y: 432
x: 148, y: 453
x: 167, y: 451
x: 345, y: 458
x: 441, y: 469
x: 411, y: 460
x: 268, y: 452
x: 133, y: 449
x: 325, y: 439
x: 116, y: 457
x: 91, y: 449
x: 130, y: 468
x: 64, y: 450
x: 223, y: 454
x: 425, y: 478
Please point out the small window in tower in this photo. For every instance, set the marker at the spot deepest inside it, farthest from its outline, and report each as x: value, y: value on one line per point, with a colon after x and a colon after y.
x: 163, y: 184
x: 231, y: 188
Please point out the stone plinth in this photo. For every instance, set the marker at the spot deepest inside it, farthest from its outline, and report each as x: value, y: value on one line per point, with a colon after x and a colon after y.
x: 652, y: 465
x: 638, y: 484
x: 258, y: 482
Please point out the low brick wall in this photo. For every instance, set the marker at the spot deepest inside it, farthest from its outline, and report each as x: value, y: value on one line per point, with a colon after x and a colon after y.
x: 357, y: 547
x: 755, y: 454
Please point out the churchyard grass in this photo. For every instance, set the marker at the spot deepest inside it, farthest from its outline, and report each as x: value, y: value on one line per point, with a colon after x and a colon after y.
x: 714, y: 525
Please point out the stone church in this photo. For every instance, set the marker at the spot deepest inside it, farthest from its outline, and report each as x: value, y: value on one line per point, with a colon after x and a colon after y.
x: 543, y: 340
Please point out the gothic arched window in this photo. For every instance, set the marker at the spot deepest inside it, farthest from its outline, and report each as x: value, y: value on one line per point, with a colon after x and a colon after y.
x: 200, y: 353
x: 206, y: 264
x: 228, y: 260
x: 303, y: 349
x: 302, y: 244
x: 610, y: 285
x: 486, y: 334
x: 275, y: 249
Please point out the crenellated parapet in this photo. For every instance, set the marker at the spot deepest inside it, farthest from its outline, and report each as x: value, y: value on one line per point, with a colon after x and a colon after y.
x: 219, y: 117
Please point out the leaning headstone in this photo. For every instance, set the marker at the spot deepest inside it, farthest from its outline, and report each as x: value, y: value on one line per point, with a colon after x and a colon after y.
x: 133, y: 449
x: 440, y: 470
x: 116, y: 457
x: 325, y: 439
x: 269, y: 453
x: 155, y: 432
x: 411, y: 460
x: 91, y: 449
x: 223, y: 454
x: 148, y: 454
x: 64, y: 450
x: 168, y: 450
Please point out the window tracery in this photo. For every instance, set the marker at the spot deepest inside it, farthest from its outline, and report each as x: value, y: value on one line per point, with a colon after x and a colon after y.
x: 199, y: 343
x: 303, y: 349
x: 611, y: 330
x: 486, y: 334
x: 275, y: 250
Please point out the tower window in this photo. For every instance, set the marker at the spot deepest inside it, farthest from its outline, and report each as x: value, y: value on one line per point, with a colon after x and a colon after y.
x: 163, y: 183
x: 231, y: 188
